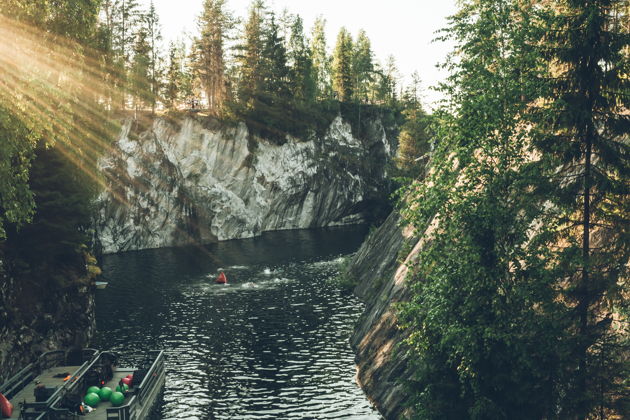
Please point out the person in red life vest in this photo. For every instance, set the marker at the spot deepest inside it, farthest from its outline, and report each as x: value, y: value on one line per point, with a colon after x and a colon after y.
x: 222, y: 279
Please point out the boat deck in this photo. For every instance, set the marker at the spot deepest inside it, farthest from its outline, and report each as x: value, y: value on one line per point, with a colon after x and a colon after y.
x: 48, y: 379
x: 100, y: 413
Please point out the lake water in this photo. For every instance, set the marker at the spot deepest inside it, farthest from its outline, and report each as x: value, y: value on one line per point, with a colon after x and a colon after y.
x: 272, y: 344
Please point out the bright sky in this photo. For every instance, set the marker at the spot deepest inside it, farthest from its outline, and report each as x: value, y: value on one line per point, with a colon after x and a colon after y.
x: 403, y: 28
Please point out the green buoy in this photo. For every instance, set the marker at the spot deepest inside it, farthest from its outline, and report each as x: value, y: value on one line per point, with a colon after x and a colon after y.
x: 93, y: 389
x: 105, y: 393
x: 92, y: 399
x: 124, y: 388
x: 117, y: 399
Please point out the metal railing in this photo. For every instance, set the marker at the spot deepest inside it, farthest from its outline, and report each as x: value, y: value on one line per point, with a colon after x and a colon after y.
x: 18, y: 381
x: 51, y: 359
x: 141, y: 392
x: 60, y: 358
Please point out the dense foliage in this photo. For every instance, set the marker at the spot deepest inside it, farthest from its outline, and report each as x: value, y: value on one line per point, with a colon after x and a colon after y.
x: 265, y: 70
x: 518, y: 306
x: 53, y: 129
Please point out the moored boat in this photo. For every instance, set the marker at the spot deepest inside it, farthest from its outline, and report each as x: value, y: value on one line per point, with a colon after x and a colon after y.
x: 56, y: 385
x: 35, y: 388
x: 146, y: 380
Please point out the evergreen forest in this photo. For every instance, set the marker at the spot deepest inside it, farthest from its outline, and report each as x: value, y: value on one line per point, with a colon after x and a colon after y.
x: 517, y: 181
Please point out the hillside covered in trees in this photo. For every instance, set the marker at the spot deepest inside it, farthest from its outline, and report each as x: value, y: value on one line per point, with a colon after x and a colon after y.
x: 518, y: 303
x: 516, y: 188
x: 265, y: 69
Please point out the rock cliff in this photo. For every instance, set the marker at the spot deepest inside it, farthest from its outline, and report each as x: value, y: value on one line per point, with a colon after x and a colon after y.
x: 380, y: 268
x: 198, y: 181
x: 34, y: 320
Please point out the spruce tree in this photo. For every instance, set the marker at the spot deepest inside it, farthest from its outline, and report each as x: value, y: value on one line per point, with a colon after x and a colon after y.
x: 126, y: 14
x: 274, y: 54
x: 174, y: 75
x: 343, y: 81
x: 141, y: 70
x: 363, y: 66
x: 301, y: 72
x: 214, y: 23
x: 582, y: 127
x: 151, y: 21
x: 321, y: 60
x: 250, y: 57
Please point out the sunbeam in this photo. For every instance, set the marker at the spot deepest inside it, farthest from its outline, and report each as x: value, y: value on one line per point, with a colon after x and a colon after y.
x: 63, y: 91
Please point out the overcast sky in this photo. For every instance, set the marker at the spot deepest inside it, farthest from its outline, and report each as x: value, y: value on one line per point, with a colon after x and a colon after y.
x: 403, y: 28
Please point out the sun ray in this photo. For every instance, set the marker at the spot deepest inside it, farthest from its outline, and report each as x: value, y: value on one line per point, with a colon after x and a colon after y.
x: 63, y: 88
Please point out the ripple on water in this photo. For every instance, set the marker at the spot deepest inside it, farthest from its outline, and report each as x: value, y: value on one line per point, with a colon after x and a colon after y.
x: 272, y: 344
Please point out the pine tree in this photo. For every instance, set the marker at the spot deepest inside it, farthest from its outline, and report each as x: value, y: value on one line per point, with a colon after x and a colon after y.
x: 154, y: 35
x: 320, y: 59
x: 174, y: 74
x: 126, y: 14
x: 301, y: 72
x: 141, y: 70
x: 343, y: 83
x: 412, y: 96
x: 390, y: 79
x: 190, y: 90
x: 214, y: 23
x: 250, y: 58
x: 362, y: 66
x: 582, y: 126
x: 126, y: 20
x: 285, y: 22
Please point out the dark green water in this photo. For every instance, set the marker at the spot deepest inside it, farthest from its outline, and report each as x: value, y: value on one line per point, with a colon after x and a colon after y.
x: 272, y: 344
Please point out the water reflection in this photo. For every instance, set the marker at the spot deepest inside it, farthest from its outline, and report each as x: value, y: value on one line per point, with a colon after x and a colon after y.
x: 272, y: 344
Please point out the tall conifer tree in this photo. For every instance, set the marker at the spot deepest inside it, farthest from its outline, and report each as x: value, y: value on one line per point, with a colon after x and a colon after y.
x: 152, y: 23
x: 343, y: 81
x: 488, y: 333
x: 321, y: 60
x: 363, y: 66
x: 214, y: 24
x: 301, y: 73
x: 250, y: 58
x: 582, y: 125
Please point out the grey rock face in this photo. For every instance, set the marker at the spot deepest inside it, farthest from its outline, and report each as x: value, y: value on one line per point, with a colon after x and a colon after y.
x: 380, y: 267
x: 172, y: 186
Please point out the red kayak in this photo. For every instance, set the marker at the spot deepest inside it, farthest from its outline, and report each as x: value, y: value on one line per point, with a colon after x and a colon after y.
x: 6, y: 408
x: 221, y: 279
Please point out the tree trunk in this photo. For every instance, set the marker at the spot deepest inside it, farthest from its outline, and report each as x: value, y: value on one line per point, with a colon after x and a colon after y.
x: 584, y: 294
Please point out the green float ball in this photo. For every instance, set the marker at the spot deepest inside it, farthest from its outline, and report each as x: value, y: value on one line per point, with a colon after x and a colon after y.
x: 105, y: 393
x: 124, y: 388
x: 93, y: 389
x: 117, y: 399
x: 92, y: 399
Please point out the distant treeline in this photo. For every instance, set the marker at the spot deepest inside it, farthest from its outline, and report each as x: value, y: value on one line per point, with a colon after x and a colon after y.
x: 264, y: 69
